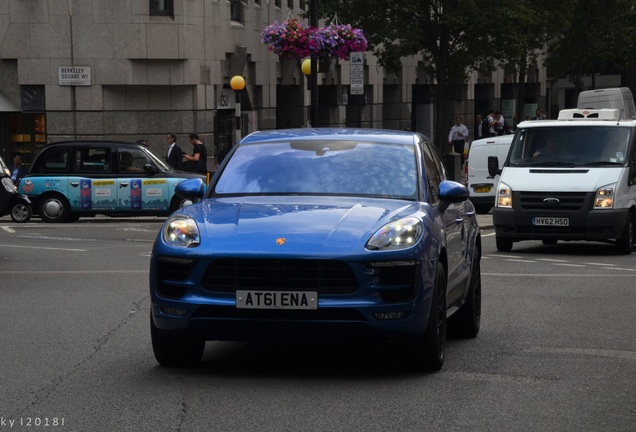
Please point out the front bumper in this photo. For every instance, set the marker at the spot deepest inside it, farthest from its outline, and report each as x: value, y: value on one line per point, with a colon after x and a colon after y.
x: 595, y: 225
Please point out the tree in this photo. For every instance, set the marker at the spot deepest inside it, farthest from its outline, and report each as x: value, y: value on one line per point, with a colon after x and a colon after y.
x: 596, y: 37
x: 449, y: 35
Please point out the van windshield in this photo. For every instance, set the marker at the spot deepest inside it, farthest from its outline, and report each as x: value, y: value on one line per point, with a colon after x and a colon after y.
x: 570, y: 146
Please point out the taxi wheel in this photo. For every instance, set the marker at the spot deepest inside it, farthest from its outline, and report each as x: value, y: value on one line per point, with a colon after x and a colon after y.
x: 21, y: 212
x: 466, y: 322
x: 431, y: 348
x: 625, y: 244
x: 53, y: 208
x: 173, y: 350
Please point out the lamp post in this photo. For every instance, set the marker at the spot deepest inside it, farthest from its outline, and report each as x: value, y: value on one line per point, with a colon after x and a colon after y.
x: 313, y: 76
x: 307, y: 68
x: 238, y: 84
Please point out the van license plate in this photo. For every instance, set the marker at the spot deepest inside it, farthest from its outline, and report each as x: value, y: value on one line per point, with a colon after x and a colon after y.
x: 550, y: 221
x: 276, y: 299
x: 482, y: 189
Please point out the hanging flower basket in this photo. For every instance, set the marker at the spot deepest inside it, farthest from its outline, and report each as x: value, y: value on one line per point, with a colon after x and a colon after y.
x: 293, y: 40
x: 290, y: 39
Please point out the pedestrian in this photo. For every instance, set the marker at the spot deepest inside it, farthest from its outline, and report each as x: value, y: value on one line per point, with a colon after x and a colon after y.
x: 500, y: 121
x: 481, y: 127
x: 491, y: 124
x: 457, y: 136
x: 17, y: 170
x: 198, y: 161
x: 174, y: 157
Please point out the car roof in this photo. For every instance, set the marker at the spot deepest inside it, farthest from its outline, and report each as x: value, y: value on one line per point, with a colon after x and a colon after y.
x: 358, y: 134
x: 92, y: 143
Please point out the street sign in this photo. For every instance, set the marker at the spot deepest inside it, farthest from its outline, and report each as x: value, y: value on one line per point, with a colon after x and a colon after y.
x: 74, y: 75
x: 357, y: 73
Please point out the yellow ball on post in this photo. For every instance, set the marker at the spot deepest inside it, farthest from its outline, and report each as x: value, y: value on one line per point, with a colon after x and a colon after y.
x: 237, y: 82
x: 306, y: 66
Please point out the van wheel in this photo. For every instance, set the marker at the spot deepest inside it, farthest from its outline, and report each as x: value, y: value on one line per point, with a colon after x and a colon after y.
x: 53, y: 208
x: 503, y: 244
x: 625, y: 244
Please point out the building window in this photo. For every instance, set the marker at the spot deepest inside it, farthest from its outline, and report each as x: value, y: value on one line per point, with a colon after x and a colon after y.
x: 237, y: 11
x: 277, y: 3
x: 290, y: 4
x: 301, y: 5
x: 161, y: 7
x: 258, y: 2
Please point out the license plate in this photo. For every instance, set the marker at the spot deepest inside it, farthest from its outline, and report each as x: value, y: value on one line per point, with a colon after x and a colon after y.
x: 276, y: 299
x: 550, y: 221
x: 482, y: 189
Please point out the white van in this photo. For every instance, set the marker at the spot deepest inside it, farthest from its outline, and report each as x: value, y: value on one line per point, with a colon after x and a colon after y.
x: 480, y: 183
x: 613, y: 98
x: 569, y: 179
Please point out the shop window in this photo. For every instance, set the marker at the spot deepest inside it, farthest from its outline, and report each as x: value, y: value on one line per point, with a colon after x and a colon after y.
x: 162, y: 7
x: 27, y: 135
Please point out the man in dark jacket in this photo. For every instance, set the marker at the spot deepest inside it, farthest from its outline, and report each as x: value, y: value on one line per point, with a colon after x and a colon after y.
x: 174, y: 156
x: 17, y: 170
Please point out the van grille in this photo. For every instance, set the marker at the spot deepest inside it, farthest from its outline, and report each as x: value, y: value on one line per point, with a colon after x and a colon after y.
x: 567, y: 201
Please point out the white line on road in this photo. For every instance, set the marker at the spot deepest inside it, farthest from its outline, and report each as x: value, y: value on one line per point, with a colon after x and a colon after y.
x: 8, y: 229
x: 552, y: 260
x: 568, y: 265
x: 519, y: 260
x: 47, y: 248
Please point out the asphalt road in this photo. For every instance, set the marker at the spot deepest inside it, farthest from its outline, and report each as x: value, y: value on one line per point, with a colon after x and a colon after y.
x: 557, y: 349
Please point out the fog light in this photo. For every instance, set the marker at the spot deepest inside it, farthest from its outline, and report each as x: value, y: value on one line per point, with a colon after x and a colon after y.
x: 173, y: 311
x: 390, y: 315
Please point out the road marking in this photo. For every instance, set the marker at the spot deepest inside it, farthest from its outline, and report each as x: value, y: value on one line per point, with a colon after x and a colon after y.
x: 568, y: 265
x: 8, y: 229
x: 570, y: 275
x: 46, y: 248
x: 600, y: 264
x: 552, y: 260
x: 519, y: 260
x: 628, y: 355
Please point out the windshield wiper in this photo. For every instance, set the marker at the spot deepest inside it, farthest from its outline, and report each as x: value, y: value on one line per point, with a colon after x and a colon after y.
x: 602, y: 163
x: 551, y: 164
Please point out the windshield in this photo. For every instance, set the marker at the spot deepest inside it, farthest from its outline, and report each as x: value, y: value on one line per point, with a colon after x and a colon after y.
x: 321, y: 167
x: 570, y: 146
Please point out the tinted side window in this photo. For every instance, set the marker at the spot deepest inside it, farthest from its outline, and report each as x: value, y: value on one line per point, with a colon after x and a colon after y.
x: 433, y: 176
x: 132, y: 160
x: 89, y: 160
x: 53, y: 161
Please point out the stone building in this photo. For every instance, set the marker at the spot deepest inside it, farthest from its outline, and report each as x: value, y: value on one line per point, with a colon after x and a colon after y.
x: 136, y: 69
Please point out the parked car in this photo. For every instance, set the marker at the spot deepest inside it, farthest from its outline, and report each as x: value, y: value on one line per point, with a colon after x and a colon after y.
x: 480, y: 183
x: 315, y: 234
x: 71, y: 179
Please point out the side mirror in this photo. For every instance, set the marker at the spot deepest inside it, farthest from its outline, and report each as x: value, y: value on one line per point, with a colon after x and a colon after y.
x: 150, y: 169
x: 493, y: 166
x: 191, y: 189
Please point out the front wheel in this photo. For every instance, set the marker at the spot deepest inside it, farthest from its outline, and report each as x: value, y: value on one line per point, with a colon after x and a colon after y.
x: 625, y: 244
x: 503, y: 244
x: 466, y: 322
x: 21, y: 212
x: 430, y: 349
x: 172, y: 350
x: 53, y: 209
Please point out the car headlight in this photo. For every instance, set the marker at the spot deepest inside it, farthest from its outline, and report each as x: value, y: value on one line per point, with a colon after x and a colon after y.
x: 504, y: 195
x: 604, y: 198
x: 181, y: 230
x: 399, y: 234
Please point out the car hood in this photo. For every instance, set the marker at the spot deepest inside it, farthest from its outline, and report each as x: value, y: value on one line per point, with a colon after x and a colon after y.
x: 294, y: 225
x: 559, y: 180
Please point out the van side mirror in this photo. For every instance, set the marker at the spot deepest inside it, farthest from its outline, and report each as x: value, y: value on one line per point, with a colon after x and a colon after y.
x: 493, y: 166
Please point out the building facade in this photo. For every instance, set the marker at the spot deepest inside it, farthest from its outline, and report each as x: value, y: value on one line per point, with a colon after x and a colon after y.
x: 136, y: 69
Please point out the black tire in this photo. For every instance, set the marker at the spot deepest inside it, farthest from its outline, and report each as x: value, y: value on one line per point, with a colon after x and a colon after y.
x: 483, y: 208
x: 53, y: 208
x: 467, y: 321
x: 21, y: 212
x: 503, y: 244
x: 550, y: 242
x: 625, y: 244
x: 173, y: 350
x: 430, y: 349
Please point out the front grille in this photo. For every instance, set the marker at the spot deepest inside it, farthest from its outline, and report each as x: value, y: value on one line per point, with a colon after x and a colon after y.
x: 567, y: 201
x: 323, y: 276
x: 170, y: 273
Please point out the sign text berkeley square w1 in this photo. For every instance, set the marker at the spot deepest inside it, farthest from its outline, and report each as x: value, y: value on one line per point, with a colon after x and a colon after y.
x: 74, y: 75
